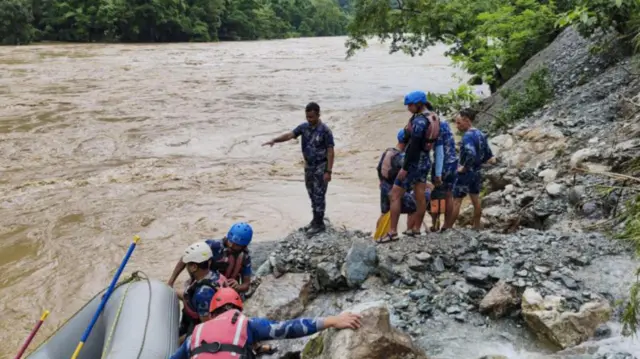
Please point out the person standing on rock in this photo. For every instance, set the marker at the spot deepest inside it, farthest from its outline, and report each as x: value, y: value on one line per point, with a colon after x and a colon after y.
x: 388, y: 167
x: 474, y: 152
x: 421, y: 134
x: 230, y: 257
x: 317, y: 149
x: 231, y: 334
x: 446, y: 172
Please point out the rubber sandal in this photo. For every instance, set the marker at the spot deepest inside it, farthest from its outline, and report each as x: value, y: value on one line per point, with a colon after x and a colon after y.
x: 388, y: 238
x: 411, y: 233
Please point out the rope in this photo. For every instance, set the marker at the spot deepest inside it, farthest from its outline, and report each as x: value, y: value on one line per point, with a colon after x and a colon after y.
x: 135, y: 276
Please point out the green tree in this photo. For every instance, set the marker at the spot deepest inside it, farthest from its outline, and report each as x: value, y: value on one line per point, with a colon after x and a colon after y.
x: 15, y: 22
x: 489, y: 38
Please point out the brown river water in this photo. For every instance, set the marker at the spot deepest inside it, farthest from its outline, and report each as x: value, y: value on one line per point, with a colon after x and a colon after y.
x: 102, y: 142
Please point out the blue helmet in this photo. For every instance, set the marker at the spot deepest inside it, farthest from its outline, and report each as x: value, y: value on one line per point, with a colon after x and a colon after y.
x: 401, y: 135
x: 240, y: 233
x: 415, y: 97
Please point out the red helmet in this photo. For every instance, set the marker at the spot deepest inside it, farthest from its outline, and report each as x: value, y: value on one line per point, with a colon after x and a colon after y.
x: 223, y: 297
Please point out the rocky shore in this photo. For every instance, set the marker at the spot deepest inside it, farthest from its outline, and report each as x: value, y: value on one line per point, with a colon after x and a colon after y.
x: 538, y: 282
x: 531, y: 278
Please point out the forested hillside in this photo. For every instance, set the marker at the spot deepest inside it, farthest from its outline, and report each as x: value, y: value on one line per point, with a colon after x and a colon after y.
x: 25, y: 21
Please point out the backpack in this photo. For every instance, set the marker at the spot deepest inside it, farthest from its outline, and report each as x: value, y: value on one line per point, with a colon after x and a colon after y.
x: 432, y: 132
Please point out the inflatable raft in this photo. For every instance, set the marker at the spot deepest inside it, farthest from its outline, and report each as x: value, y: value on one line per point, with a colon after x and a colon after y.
x: 140, y: 321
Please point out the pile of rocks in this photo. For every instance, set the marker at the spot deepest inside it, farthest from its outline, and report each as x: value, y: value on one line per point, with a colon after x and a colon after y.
x: 465, y: 276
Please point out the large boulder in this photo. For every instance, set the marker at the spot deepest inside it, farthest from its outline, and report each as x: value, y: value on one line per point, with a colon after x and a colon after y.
x: 500, y: 300
x: 361, y: 261
x: 549, y: 320
x: 280, y: 298
x: 376, y: 339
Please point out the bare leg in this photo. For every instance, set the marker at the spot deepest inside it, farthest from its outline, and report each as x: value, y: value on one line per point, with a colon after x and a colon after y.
x: 457, y: 202
x: 396, y: 207
x: 448, y: 213
x: 434, y: 220
x: 477, y: 210
x: 421, y: 205
x: 411, y: 219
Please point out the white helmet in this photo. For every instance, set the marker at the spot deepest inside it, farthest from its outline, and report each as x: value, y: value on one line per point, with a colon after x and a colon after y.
x: 197, y: 253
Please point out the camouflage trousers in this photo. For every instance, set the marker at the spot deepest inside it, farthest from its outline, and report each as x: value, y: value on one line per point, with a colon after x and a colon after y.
x: 316, y: 187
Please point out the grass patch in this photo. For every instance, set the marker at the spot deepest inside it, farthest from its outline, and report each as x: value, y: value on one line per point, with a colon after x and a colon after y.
x: 536, y: 93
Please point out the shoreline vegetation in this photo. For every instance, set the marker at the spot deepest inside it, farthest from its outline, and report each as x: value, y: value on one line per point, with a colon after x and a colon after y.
x: 24, y: 22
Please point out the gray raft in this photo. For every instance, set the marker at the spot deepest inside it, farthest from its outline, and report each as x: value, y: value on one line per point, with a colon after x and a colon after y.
x: 147, y: 327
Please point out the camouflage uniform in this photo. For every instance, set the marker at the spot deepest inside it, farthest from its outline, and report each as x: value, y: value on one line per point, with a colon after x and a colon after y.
x: 261, y: 329
x: 315, y: 144
x: 474, y: 151
x: 450, y: 165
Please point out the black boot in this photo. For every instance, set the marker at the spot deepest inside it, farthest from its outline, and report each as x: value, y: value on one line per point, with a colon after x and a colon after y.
x: 317, y: 224
x: 311, y: 224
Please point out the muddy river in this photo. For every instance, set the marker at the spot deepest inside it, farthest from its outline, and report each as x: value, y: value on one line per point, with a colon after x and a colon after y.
x: 102, y: 142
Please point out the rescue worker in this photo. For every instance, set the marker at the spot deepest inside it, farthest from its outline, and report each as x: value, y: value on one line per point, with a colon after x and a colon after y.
x: 229, y: 334
x: 388, y: 167
x: 317, y: 149
x: 445, y: 173
x: 421, y: 134
x: 474, y: 152
x: 230, y: 257
x: 201, y: 287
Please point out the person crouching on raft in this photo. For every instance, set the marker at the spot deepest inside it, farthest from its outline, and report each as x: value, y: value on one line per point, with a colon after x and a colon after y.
x: 231, y: 258
x: 230, y: 334
x: 203, y: 284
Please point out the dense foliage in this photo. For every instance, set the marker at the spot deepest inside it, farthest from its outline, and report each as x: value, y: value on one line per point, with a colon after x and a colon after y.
x: 169, y: 20
x: 491, y: 39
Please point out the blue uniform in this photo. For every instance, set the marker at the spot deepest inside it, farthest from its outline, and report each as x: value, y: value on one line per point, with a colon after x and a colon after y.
x: 418, y: 167
x: 220, y: 252
x: 474, y: 151
x: 450, y: 164
x: 315, y: 145
x: 408, y: 204
x: 201, y: 299
x: 261, y: 329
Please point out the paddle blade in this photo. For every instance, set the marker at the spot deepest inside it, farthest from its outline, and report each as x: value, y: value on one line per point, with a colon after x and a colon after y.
x: 383, y: 226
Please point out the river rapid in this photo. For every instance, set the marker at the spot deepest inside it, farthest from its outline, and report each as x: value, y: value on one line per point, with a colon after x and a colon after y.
x: 102, y: 142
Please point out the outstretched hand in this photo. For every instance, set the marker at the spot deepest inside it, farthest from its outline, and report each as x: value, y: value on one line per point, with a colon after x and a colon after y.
x: 270, y: 143
x: 345, y: 321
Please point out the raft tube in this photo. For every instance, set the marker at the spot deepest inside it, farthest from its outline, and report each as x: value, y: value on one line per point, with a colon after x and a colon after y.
x: 146, y: 328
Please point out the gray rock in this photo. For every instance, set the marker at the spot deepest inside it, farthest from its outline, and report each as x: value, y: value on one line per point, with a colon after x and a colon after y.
x: 542, y: 269
x: 438, y: 265
x: 477, y: 274
x: 454, y: 309
x: 554, y: 189
x: 423, y: 257
x: 548, y: 175
x: 361, y: 261
x: 569, y: 282
x: 329, y: 275
x: 419, y: 294
x: 417, y: 265
x: 522, y: 273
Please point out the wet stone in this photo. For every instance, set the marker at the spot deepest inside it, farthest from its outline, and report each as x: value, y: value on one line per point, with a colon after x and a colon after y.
x: 438, y: 265
x: 522, y: 273
x: 423, y: 257
x: 454, y: 309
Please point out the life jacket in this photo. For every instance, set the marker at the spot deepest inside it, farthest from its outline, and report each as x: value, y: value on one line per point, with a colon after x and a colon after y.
x: 230, y: 265
x: 222, y: 337
x: 432, y: 132
x: 188, y: 294
x: 387, y: 170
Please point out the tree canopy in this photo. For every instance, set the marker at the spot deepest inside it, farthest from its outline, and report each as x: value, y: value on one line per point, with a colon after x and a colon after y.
x: 24, y: 21
x: 491, y: 39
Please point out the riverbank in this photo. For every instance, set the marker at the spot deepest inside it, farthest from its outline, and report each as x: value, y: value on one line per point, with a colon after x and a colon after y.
x: 102, y: 142
x: 540, y: 281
